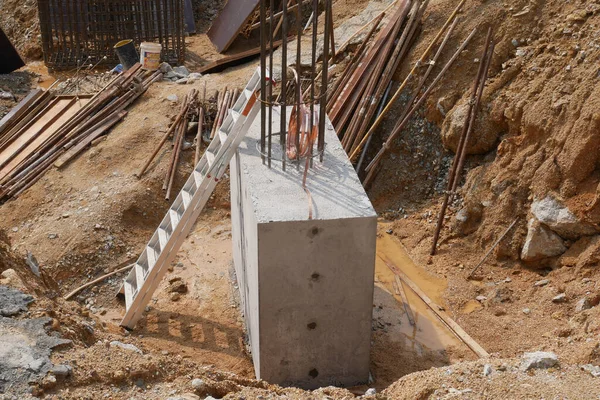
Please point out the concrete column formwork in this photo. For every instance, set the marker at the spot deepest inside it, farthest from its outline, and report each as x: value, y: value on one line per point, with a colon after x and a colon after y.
x: 306, y: 284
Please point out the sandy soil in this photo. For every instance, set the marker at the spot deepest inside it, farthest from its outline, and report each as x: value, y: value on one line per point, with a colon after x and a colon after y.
x: 94, y: 215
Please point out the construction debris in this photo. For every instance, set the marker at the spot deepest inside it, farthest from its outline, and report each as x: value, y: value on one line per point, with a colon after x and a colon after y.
x: 226, y: 27
x: 48, y: 130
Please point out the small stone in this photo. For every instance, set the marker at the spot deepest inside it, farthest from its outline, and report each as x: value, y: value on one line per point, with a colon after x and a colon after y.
x: 487, y: 370
x: 15, y: 229
x: 165, y: 68
x: 543, y: 282
x: 389, y: 231
x: 526, y: 311
x: 182, y: 81
x: 583, y: 304
x: 175, y: 296
x: 481, y: 299
x: 62, y: 370
x: 125, y: 346
x: 515, y: 42
x: 561, y: 298
x: 181, y: 71
x: 52, y: 236
x: 195, y: 75
x: 592, y: 369
x: 173, y: 98
x: 6, y: 95
x: 371, y: 392
x: 177, y: 285
x: 199, y: 385
x: 539, y: 360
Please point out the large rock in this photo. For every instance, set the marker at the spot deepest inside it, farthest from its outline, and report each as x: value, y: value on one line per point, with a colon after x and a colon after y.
x: 13, y: 301
x: 541, y: 243
x: 539, y: 359
x: 560, y: 219
x: 484, y: 135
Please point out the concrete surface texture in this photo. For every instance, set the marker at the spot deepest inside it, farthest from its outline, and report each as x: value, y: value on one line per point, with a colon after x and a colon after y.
x: 306, y: 284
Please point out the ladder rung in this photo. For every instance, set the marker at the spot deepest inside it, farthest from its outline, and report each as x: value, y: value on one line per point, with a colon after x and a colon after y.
x: 140, y: 275
x: 222, y: 136
x: 187, y: 198
x: 174, y: 218
x: 129, y: 291
x: 210, y: 157
x: 163, y: 238
x: 198, y: 177
x: 152, y: 256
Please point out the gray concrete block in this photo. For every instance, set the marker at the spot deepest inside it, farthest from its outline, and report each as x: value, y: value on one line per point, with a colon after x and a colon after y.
x: 306, y: 284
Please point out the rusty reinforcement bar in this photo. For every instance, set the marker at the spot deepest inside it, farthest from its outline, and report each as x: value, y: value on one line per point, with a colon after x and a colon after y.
x: 81, y: 32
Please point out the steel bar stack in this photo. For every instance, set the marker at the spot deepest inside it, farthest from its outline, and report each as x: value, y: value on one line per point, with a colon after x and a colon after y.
x: 64, y: 136
x: 360, y: 88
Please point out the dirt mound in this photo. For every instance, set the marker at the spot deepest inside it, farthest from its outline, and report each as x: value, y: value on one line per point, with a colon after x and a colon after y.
x: 494, y: 379
x: 19, y: 20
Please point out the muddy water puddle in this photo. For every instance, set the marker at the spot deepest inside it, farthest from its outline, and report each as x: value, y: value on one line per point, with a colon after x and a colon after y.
x: 428, y: 332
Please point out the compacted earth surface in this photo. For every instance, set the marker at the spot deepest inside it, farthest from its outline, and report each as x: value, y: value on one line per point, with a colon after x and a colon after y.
x: 532, y: 305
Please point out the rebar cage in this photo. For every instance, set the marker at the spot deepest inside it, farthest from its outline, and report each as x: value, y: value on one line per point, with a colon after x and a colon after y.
x: 75, y: 32
x: 305, y: 126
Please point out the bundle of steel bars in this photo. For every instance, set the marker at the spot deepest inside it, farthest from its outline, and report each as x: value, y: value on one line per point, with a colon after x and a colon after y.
x: 225, y: 100
x: 304, y: 126
x: 461, y: 150
x: 48, y: 130
x: 76, y: 32
x: 189, y: 110
x: 417, y: 99
x: 189, y: 105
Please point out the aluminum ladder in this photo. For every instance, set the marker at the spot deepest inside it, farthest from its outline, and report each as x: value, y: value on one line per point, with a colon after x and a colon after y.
x: 159, y: 253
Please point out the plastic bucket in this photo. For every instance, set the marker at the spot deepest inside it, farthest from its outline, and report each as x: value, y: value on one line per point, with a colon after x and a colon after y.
x: 150, y: 55
x: 128, y: 55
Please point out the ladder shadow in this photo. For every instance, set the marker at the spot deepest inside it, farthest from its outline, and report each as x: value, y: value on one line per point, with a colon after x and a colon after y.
x: 193, y: 331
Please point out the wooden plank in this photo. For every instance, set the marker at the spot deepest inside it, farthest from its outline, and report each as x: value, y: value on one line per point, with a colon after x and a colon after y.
x: 438, y: 311
x: 40, y: 139
x: 232, y: 60
x: 75, y: 150
x: 49, y: 115
x: 226, y: 27
x: 26, y: 120
x: 402, y: 293
x: 17, y: 111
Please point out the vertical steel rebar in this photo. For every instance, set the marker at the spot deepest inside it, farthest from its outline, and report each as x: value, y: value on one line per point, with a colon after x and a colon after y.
x: 270, y: 97
x: 299, y: 83
x: 313, y: 75
x: 322, y: 94
x: 263, y: 73
x: 283, y: 119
